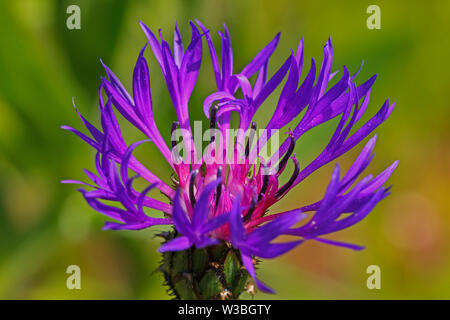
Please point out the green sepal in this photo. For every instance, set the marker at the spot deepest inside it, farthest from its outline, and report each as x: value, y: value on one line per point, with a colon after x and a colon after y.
x: 185, y: 290
x: 180, y: 262
x: 241, y: 282
x: 231, y: 269
x: 199, y: 261
x: 210, y: 285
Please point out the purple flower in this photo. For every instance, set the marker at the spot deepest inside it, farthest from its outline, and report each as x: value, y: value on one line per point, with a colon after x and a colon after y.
x: 215, y: 201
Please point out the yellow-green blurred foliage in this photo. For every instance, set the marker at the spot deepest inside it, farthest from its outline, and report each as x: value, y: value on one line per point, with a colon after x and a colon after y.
x: 46, y: 226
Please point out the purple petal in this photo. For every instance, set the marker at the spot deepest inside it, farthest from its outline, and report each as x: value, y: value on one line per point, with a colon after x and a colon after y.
x: 180, y: 219
x: 77, y: 182
x: 177, y: 244
x: 109, y: 211
x: 221, y: 96
x: 96, y: 134
x: 270, y: 250
x: 206, y: 242
x: 135, y: 226
x: 203, y: 204
x: 326, y: 66
x: 379, y: 180
x: 340, y: 244
x: 227, y: 57
x: 274, y: 228
x: 359, y: 214
x: 261, y: 57
x: 190, y: 65
x: 122, y: 105
x: 178, y: 50
x: 261, y: 79
x: 237, y: 231
x: 212, y: 51
x: 126, y: 158
x: 215, y: 222
x: 171, y: 76
x: 154, y: 44
x: 359, y: 164
x: 248, y: 263
x: 273, y: 83
x: 83, y: 137
x: 117, y: 84
x: 141, y: 198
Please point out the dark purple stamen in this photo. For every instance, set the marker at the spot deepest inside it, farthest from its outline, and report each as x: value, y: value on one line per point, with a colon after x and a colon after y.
x: 212, y: 121
x: 288, y: 154
x: 288, y: 184
x: 191, y: 187
x: 175, y: 125
x: 219, y: 187
x: 265, y: 183
x: 250, y: 139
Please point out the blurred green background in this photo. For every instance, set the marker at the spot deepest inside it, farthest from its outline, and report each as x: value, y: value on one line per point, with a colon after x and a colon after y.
x: 46, y: 226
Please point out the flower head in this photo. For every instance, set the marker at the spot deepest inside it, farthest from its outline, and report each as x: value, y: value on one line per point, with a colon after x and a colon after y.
x: 216, y: 201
